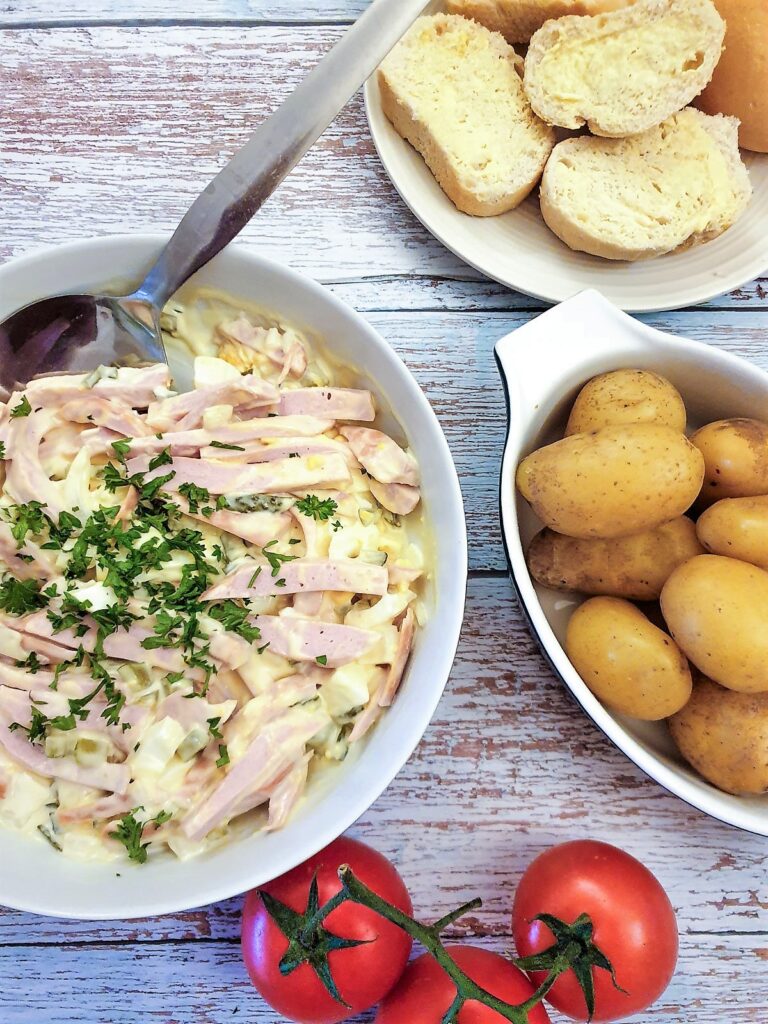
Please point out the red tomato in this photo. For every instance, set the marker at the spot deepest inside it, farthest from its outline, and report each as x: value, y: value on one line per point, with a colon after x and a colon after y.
x: 425, y: 991
x: 364, y: 974
x: 634, y: 925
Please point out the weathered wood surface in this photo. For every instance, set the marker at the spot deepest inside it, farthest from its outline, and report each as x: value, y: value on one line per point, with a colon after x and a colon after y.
x: 108, y: 127
x: 271, y: 12
x: 105, y: 130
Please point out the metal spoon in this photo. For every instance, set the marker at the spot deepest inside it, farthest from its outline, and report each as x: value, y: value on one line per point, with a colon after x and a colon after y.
x: 81, y: 332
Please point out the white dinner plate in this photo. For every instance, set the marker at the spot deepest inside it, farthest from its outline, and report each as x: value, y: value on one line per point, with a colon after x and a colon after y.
x: 518, y: 249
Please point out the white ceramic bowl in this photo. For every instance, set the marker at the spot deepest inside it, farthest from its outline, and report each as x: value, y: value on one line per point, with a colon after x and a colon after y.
x: 518, y: 249
x: 544, y: 364
x: 34, y: 877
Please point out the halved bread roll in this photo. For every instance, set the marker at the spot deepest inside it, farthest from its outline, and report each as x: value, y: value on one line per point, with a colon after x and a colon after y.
x: 517, y: 20
x: 624, y: 72
x: 680, y: 183
x: 454, y: 91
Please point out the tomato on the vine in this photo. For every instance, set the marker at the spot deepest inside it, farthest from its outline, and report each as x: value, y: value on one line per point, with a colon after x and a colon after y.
x: 361, y: 970
x: 634, y: 925
x: 425, y: 991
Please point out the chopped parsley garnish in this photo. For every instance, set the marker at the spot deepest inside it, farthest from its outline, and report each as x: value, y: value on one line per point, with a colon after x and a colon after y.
x: 213, y: 727
x: 27, y: 518
x: 336, y: 526
x: 275, y: 559
x: 234, y: 618
x: 22, y: 409
x: 18, y: 598
x: 130, y: 832
x: 227, y: 447
x: 223, y: 756
x: 317, y: 508
x: 322, y: 659
x: 2, y: 450
x: 31, y: 663
x: 163, y: 458
x: 255, y: 575
x: 195, y: 496
x: 122, y: 447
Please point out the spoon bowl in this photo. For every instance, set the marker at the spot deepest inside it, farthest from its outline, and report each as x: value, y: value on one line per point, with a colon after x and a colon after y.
x: 75, y: 334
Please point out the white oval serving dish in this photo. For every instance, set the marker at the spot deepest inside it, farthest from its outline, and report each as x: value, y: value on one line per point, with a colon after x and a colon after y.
x: 518, y: 250
x: 543, y: 365
x: 34, y: 877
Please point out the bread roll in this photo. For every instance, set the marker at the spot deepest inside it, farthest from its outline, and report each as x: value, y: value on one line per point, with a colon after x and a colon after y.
x: 517, y: 20
x: 624, y: 72
x: 453, y: 90
x: 629, y: 199
x: 739, y: 85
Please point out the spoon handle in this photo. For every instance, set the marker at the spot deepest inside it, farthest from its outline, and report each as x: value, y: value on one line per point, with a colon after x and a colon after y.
x: 254, y: 172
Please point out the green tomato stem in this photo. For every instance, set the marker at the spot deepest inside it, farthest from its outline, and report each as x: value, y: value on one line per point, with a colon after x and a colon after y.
x: 466, y: 989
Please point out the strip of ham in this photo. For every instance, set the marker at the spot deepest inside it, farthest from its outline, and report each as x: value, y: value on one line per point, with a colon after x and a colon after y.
x: 53, y: 703
x: 113, y: 778
x: 398, y: 498
x: 125, y: 645
x: 381, y: 457
x: 286, y: 793
x: 279, y: 448
x: 257, y: 527
x: 189, y: 442
x: 192, y: 711
x: 339, y: 403
x: 25, y: 478
x: 42, y: 563
x: 133, y: 386
x: 22, y: 679
x: 262, y: 478
x: 397, y: 668
x: 266, y: 759
x: 183, y: 412
x: 255, y: 579
x: 97, y: 810
x: 113, y: 415
x: 308, y: 640
x: 372, y: 711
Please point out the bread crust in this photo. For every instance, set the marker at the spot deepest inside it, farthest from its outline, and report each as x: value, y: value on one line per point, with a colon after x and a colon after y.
x: 617, y: 113
x: 739, y: 85
x: 517, y: 20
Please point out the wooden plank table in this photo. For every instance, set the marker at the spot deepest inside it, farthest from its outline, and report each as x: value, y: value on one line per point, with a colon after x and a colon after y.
x: 112, y: 115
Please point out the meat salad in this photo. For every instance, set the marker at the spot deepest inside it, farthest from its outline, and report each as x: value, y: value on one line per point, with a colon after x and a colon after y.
x: 203, y: 595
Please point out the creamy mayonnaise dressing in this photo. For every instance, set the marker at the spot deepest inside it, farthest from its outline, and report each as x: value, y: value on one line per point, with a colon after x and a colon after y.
x: 205, y: 596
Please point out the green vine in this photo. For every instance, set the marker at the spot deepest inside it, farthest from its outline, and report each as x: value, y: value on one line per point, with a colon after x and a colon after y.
x: 309, y: 942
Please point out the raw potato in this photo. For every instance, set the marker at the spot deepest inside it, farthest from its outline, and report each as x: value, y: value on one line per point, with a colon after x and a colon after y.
x: 737, y: 527
x: 735, y: 458
x: 626, y: 396
x: 635, y: 567
x: 612, y: 482
x: 717, y: 611
x: 724, y: 736
x: 626, y: 661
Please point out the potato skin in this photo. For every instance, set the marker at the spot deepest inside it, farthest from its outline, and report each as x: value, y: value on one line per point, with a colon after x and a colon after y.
x: 737, y: 527
x: 626, y: 661
x: 612, y: 482
x: 735, y: 458
x: 716, y: 609
x: 634, y: 567
x: 626, y: 396
x: 724, y: 736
